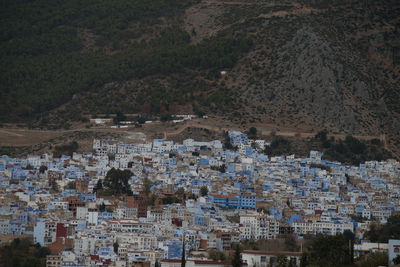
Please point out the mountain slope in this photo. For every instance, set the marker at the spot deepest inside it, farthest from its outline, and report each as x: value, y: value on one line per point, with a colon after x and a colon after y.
x: 307, y: 64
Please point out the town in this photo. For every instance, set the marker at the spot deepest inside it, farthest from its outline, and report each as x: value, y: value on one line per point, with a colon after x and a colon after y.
x: 153, y: 203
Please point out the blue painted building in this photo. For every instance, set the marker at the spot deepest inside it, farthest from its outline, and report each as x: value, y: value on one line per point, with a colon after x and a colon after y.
x: 198, y: 219
x: 174, y: 249
x: 104, y: 216
x: 238, y: 137
x: 248, y: 201
x: 241, y: 201
x: 38, y: 232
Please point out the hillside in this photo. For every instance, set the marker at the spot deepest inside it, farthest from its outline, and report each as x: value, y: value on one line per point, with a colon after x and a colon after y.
x: 318, y: 64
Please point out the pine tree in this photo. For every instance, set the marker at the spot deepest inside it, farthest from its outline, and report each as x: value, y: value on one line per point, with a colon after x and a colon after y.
x: 304, y: 260
x: 237, y: 259
x: 102, y: 207
x: 116, y: 246
x: 183, y: 261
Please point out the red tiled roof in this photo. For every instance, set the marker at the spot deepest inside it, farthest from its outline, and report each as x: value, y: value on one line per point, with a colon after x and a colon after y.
x: 17, y: 191
x: 318, y: 212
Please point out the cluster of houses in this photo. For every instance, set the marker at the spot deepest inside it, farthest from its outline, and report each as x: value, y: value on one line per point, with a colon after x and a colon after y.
x: 195, y: 191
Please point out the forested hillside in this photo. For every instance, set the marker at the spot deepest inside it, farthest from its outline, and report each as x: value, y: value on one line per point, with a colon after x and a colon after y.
x: 45, y: 62
x: 323, y: 64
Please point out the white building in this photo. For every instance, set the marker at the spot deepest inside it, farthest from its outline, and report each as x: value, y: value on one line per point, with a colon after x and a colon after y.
x: 265, y: 258
x: 394, y: 250
x: 258, y: 226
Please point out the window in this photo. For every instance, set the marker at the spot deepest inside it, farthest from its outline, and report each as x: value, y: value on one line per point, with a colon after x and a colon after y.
x: 263, y: 258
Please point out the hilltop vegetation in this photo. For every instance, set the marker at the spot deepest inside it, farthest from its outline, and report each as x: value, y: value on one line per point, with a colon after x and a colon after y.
x: 21, y: 252
x: 44, y: 63
x: 348, y: 151
x: 319, y: 64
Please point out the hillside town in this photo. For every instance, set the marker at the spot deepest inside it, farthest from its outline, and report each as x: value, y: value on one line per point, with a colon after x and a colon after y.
x: 146, y: 204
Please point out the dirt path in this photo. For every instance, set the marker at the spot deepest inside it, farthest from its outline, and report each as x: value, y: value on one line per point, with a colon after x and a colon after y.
x: 228, y: 3
x: 17, y: 137
x: 27, y: 137
x: 193, y: 124
x: 266, y: 132
x: 10, y: 133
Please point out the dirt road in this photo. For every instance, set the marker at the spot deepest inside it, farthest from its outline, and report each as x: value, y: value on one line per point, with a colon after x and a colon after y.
x: 265, y: 132
x: 17, y: 137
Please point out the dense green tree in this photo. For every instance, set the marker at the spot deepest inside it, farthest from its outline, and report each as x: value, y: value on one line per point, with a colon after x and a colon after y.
x: 321, y: 135
x: 151, y: 201
x: 292, y: 262
x: 382, y: 233
x: 141, y: 120
x: 115, y: 247
x: 99, y: 186
x: 374, y: 259
x: 204, y: 190
x: 102, y: 207
x: 390, y: 230
x: 165, y: 117
x: 67, y: 149
x: 282, y: 261
x: 42, y: 169
x: 353, y: 150
x: 355, y: 145
x: 305, y: 259
x: 170, y: 200
x: 222, y: 168
x: 217, y: 255
x: 252, y: 132
x: 279, y: 146
x: 42, y: 252
x: 21, y: 252
x: 71, y: 185
x: 119, y: 117
x: 396, y: 260
x: 327, y: 250
x: 373, y: 233
x: 117, y: 181
x: 227, y: 141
